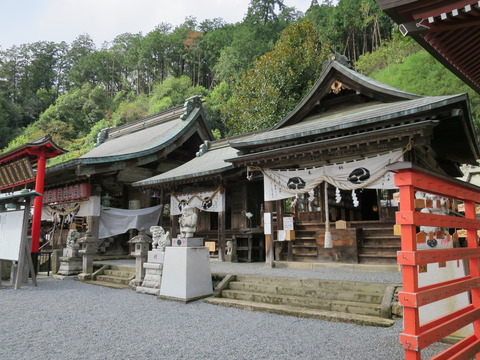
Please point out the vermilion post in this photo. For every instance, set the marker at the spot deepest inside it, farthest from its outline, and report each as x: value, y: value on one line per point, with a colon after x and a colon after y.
x: 409, y: 273
x: 37, y: 203
x: 474, y: 264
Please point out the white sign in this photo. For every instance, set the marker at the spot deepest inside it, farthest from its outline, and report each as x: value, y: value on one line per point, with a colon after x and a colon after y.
x: 288, y: 223
x: 267, y: 223
x: 11, y: 226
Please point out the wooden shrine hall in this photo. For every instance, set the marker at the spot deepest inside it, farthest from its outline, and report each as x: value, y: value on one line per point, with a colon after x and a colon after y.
x: 343, y: 133
x: 77, y: 190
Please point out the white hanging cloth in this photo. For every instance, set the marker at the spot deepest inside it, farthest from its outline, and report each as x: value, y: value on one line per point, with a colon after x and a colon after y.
x: 368, y: 173
x: 115, y: 221
x: 211, y: 201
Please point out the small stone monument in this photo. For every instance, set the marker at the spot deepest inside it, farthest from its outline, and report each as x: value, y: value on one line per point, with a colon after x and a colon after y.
x: 141, y: 243
x: 154, y: 265
x: 186, y: 273
x: 71, y: 261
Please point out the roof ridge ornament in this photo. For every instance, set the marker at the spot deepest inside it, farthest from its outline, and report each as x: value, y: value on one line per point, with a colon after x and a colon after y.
x: 203, y: 148
x: 190, y: 104
x: 101, y: 137
x: 340, y: 58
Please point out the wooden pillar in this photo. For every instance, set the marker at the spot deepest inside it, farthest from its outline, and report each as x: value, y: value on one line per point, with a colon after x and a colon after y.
x: 162, y: 202
x: 174, y: 226
x: 268, y: 228
x: 411, y: 319
x: 221, y: 235
x: 279, y: 204
x: 474, y: 263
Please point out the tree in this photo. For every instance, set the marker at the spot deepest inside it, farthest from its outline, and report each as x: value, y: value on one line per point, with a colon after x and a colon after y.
x: 277, y: 81
x: 173, y: 92
x: 75, y: 112
x: 263, y: 11
x: 393, y: 51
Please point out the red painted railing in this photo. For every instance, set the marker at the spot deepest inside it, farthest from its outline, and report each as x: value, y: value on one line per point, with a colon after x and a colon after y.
x: 417, y: 336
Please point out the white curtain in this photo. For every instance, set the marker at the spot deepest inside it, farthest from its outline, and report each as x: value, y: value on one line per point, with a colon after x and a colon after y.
x: 115, y: 221
x: 367, y: 173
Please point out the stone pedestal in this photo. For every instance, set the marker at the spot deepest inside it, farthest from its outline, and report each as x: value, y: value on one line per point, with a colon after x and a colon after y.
x: 89, y: 249
x: 70, y: 262
x: 186, y: 274
x: 153, y: 273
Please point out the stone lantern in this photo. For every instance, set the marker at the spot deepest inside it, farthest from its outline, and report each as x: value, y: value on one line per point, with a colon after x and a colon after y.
x: 89, y: 248
x: 141, y: 244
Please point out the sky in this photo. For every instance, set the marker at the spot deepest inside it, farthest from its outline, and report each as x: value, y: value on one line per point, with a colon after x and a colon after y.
x: 29, y: 21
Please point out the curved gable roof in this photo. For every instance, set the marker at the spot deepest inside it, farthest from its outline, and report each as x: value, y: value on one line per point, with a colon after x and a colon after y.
x: 335, y: 71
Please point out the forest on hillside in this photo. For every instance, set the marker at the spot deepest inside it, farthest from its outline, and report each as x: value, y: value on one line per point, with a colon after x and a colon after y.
x: 250, y: 74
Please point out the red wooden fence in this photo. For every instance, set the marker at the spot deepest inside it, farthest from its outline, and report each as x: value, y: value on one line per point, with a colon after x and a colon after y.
x: 417, y: 336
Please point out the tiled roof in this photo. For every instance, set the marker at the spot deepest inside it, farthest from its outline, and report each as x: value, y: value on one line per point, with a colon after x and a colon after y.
x: 330, y: 122
x: 141, y: 137
x: 210, y: 163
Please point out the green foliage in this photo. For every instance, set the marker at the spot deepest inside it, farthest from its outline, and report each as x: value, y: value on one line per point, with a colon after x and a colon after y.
x: 393, y: 51
x: 214, y: 104
x: 75, y: 112
x: 264, y: 11
x: 78, y: 147
x: 173, y: 92
x: 277, y: 81
x: 128, y: 111
x: 422, y: 74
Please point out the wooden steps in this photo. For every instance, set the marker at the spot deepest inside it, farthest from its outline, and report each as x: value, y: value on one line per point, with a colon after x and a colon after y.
x: 379, y: 246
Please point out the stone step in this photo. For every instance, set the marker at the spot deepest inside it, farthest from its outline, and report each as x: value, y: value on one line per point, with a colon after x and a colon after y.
x: 106, y: 284
x: 391, y: 251
x: 378, y: 259
x: 310, y: 292
x: 113, y: 279
x: 126, y: 268
x: 119, y: 273
x: 303, y: 312
x: 306, y: 302
x: 334, y: 285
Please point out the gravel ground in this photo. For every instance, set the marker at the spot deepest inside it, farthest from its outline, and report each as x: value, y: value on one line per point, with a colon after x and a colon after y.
x: 72, y: 320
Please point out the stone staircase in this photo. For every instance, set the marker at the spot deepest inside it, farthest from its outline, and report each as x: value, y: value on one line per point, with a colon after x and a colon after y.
x: 113, y: 276
x: 379, y: 246
x: 341, y: 301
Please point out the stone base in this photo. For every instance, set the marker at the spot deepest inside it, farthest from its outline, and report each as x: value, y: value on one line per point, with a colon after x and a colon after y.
x: 186, y: 274
x: 187, y: 242
x: 153, y: 278
x: 155, y: 256
x: 70, y: 266
x: 84, y: 277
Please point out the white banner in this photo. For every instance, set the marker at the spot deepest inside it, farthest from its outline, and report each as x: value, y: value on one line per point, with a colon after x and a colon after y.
x: 368, y: 173
x: 211, y: 201
x: 115, y: 221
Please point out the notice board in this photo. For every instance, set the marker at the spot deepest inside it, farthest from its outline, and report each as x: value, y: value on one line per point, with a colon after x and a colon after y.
x: 11, y: 226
